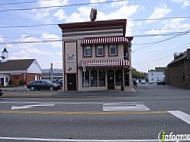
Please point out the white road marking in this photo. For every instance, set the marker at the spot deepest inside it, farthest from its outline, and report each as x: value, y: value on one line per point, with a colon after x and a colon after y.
x: 31, y: 106
x: 181, y: 115
x: 132, y: 106
x: 75, y: 140
x: 66, y: 103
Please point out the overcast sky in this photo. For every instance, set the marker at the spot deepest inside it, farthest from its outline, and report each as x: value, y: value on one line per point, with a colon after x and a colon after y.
x: 154, y: 44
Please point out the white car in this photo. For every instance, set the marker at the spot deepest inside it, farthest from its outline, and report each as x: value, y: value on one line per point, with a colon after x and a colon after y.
x: 143, y: 82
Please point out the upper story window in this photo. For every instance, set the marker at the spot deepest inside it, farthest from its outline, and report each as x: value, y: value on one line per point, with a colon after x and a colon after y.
x: 87, y: 51
x: 100, y: 50
x: 112, y: 49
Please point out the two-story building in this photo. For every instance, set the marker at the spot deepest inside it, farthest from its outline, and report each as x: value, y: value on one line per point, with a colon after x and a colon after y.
x: 157, y: 75
x: 96, y: 55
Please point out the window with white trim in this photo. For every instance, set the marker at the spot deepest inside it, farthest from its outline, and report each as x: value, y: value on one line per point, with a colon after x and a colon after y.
x: 112, y: 50
x: 87, y: 50
x: 100, y: 50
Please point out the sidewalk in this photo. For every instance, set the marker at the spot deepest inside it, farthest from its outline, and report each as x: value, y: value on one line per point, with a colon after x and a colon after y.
x: 22, y: 92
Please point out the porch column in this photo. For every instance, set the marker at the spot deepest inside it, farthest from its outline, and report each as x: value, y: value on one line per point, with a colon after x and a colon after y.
x: 122, y: 87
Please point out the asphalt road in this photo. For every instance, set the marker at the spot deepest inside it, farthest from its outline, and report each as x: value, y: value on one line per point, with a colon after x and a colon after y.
x: 138, y: 116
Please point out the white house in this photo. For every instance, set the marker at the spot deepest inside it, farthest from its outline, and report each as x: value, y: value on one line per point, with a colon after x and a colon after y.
x: 157, y: 75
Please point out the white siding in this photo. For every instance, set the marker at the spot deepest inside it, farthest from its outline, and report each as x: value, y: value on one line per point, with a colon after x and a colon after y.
x: 154, y: 77
x: 34, y: 68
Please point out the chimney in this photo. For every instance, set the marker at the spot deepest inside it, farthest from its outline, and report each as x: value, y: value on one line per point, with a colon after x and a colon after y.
x: 176, y: 55
x: 188, y: 52
x: 4, y: 55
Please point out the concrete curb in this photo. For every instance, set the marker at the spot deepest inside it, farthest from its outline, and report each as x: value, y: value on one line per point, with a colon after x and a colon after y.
x: 60, y: 94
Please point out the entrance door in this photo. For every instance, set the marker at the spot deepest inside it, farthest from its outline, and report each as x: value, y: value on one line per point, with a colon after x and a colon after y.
x: 110, y: 77
x: 2, y: 82
x: 71, y: 82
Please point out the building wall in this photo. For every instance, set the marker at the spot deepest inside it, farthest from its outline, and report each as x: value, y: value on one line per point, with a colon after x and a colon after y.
x: 72, y: 45
x: 154, y: 77
x: 34, y: 68
x: 25, y: 77
x: 178, y: 74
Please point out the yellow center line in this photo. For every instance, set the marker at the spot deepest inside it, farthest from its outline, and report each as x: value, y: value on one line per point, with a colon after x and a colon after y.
x: 83, y: 112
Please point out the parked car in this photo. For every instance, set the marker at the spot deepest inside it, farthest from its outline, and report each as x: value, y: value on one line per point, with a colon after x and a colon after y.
x: 161, y: 83
x: 143, y: 81
x: 59, y: 82
x: 1, y: 93
x: 43, y: 84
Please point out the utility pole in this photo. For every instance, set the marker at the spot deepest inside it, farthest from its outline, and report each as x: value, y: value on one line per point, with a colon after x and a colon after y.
x: 51, y: 72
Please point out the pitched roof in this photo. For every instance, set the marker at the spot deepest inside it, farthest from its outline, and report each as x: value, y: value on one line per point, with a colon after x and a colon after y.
x: 4, y: 50
x: 13, y: 65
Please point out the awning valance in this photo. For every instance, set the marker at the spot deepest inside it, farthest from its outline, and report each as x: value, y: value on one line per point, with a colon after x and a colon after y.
x: 104, y: 63
x: 105, y: 40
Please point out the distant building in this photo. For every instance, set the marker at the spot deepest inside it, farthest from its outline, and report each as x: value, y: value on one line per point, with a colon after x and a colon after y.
x: 178, y: 71
x: 157, y: 75
x: 18, y: 70
x: 57, y: 74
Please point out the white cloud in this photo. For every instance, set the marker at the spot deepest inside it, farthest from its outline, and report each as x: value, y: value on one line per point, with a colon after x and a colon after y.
x: 60, y: 14
x: 20, y: 55
x: 1, y: 39
x: 42, y: 14
x: 120, y: 13
x: 123, y: 12
x: 47, y: 36
x: 48, y: 3
x: 184, y: 3
x: 80, y: 16
x: 159, y: 12
x: 170, y: 26
x: 30, y: 53
x: 118, y: 4
x: 97, y: 1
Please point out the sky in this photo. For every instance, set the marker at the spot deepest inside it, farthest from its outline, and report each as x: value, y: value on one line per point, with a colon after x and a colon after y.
x: 160, y: 28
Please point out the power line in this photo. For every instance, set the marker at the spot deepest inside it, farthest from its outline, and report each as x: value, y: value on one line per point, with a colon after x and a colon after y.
x: 55, y: 24
x: 173, y: 49
x: 136, y: 36
x: 164, y: 29
x: 19, y: 42
x: 59, y: 6
x: 22, y: 2
x: 160, y: 41
x: 164, y: 57
x: 165, y: 18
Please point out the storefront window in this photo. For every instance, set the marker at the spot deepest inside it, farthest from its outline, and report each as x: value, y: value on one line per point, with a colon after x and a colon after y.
x: 85, y: 80
x: 118, y: 77
x: 102, y: 78
x: 93, y: 78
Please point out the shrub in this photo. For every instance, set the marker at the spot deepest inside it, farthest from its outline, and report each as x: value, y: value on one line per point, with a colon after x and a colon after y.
x: 21, y: 82
x: 10, y: 82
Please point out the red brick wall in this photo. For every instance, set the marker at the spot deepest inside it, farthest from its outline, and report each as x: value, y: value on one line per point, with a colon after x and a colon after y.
x: 16, y: 78
x: 178, y: 74
x: 29, y: 77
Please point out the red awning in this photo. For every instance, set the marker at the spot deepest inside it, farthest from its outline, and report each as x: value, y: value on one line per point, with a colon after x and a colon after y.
x: 104, y: 63
x: 105, y: 40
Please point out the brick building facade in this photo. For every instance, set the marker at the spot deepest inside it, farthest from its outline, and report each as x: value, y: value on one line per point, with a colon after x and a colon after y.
x: 178, y: 71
